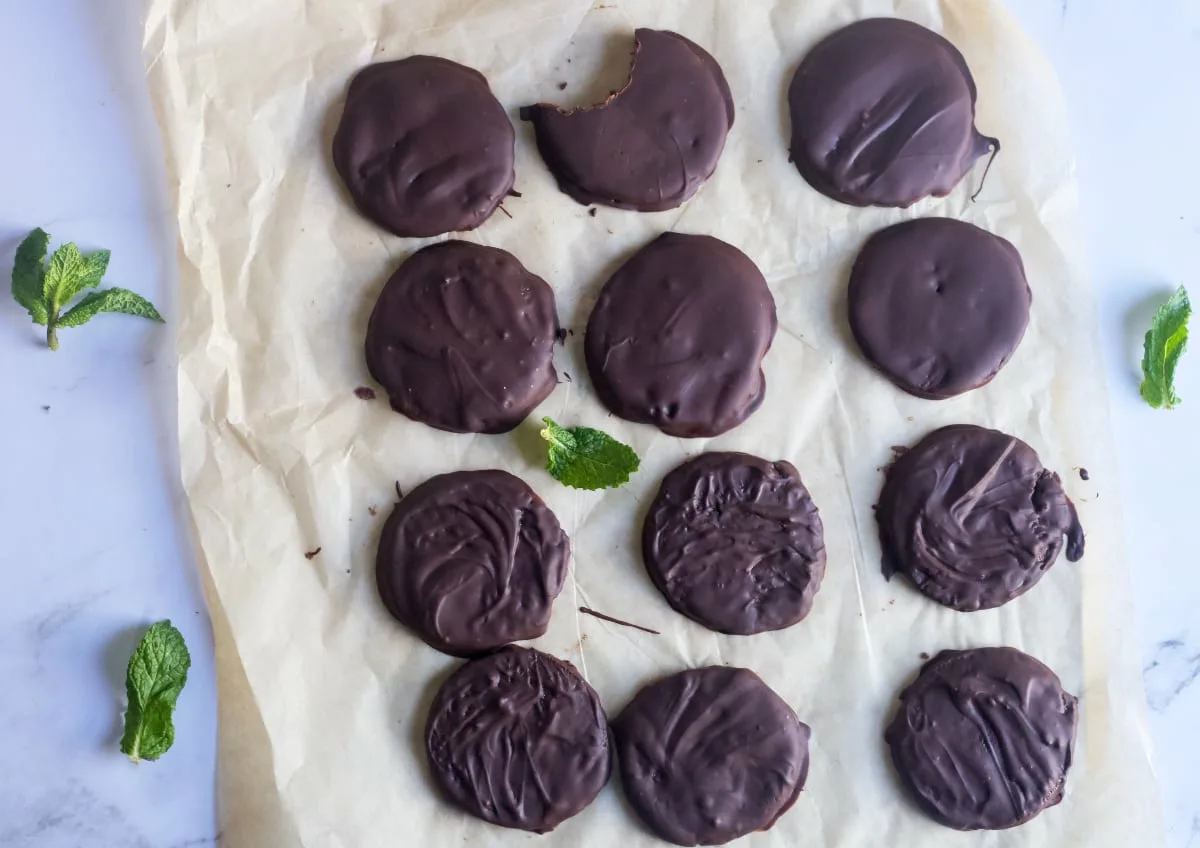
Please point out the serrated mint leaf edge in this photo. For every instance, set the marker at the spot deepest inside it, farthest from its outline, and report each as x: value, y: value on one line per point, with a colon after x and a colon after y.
x: 28, y: 276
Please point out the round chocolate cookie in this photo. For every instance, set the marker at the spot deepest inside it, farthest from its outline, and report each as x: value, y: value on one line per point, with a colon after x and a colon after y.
x: 883, y: 114
x: 519, y: 739
x: 938, y: 305
x: 472, y: 560
x: 678, y: 336
x: 735, y: 542
x: 973, y: 519
x: 710, y: 754
x: 651, y: 145
x: 983, y: 738
x: 462, y: 338
x: 424, y: 147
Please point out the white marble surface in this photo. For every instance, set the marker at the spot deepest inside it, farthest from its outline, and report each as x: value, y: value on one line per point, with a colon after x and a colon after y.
x: 94, y: 543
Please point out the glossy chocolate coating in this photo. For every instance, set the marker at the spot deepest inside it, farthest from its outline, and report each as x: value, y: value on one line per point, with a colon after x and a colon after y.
x: 678, y: 336
x: 462, y: 338
x: 973, y: 519
x: 710, y: 754
x: 938, y: 306
x: 651, y: 145
x: 883, y: 114
x: 472, y: 560
x: 983, y: 738
x: 735, y: 542
x: 519, y: 739
x: 424, y: 147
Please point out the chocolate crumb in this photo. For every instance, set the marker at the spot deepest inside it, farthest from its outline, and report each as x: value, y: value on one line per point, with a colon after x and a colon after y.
x: 312, y: 553
x: 1084, y: 474
x: 924, y: 655
x: 364, y: 393
x: 45, y: 409
x: 562, y: 86
x: 512, y: 192
x: 568, y: 376
x: 372, y: 510
x: 505, y: 211
x: 561, y: 335
x: 399, y: 492
x: 592, y: 211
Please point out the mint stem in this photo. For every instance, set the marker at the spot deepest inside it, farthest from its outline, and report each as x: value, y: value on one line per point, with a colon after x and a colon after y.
x: 52, y: 333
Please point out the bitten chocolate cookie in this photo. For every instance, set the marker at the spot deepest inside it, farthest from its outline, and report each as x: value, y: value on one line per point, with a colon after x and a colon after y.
x: 735, y: 542
x: 519, y: 739
x: 938, y: 306
x: 983, y: 738
x: 973, y: 519
x: 424, y: 147
x: 883, y: 114
x: 710, y: 754
x: 678, y: 336
x: 472, y: 560
x: 462, y: 338
x: 651, y: 145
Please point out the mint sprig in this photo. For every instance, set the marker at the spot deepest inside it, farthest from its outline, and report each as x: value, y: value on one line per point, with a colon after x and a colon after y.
x: 156, y: 675
x: 1165, y: 343
x: 584, y: 458
x: 45, y: 292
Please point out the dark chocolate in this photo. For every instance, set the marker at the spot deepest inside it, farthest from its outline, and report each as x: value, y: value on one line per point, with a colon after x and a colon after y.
x: 710, y: 754
x: 462, y: 338
x: 678, y: 336
x: 424, y: 147
x: 652, y: 144
x: 883, y: 114
x: 973, y: 519
x: 472, y: 560
x: 983, y: 738
x: 735, y: 542
x: 519, y: 739
x: 938, y: 306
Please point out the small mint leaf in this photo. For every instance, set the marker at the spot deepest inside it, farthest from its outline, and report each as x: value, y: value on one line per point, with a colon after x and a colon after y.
x: 120, y: 301
x: 66, y: 265
x: 584, y: 458
x: 1165, y: 343
x: 156, y: 675
x: 28, y: 277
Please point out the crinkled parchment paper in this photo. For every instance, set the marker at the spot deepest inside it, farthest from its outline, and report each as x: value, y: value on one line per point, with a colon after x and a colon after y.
x: 322, y: 695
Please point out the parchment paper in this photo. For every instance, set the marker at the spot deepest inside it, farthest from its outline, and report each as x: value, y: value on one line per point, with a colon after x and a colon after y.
x: 323, y: 696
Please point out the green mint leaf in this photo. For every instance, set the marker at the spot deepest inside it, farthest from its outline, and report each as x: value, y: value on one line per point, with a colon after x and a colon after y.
x: 92, y: 271
x: 584, y: 458
x: 156, y: 675
x: 29, y: 273
x: 1165, y: 343
x: 122, y: 301
x: 66, y: 266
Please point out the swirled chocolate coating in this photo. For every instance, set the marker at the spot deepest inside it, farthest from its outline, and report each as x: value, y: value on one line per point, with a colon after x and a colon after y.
x: 519, y: 739
x: 678, y: 336
x: 983, y: 738
x: 938, y: 305
x: 710, y: 754
x: 462, y: 337
x: 472, y: 560
x: 883, y: 114
x: 973, y: 519
x: 651, y: 145
x: 424, y: 147
x: 735, y: 542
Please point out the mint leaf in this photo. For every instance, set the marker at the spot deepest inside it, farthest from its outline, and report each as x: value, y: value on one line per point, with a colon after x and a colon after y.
x: 109, y: 300
x: 156, y: 675
x: 45, y: 292
x: 29, y: 273
x: 1165, y: 343
x: 584, y: 458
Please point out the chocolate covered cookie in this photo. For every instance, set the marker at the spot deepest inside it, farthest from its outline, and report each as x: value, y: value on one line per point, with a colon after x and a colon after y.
x: 735, y: 542
x: 423, y: 146
x: 973, y: 519
x: 519, y: 739
x: 652, y: 144
x: 883, y: 114
x: 938, y: 306
x: 471, y: 561
x: 983, y: 738
x: 462, y: 338
x: 710, y: 754
x: 678, y: 336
